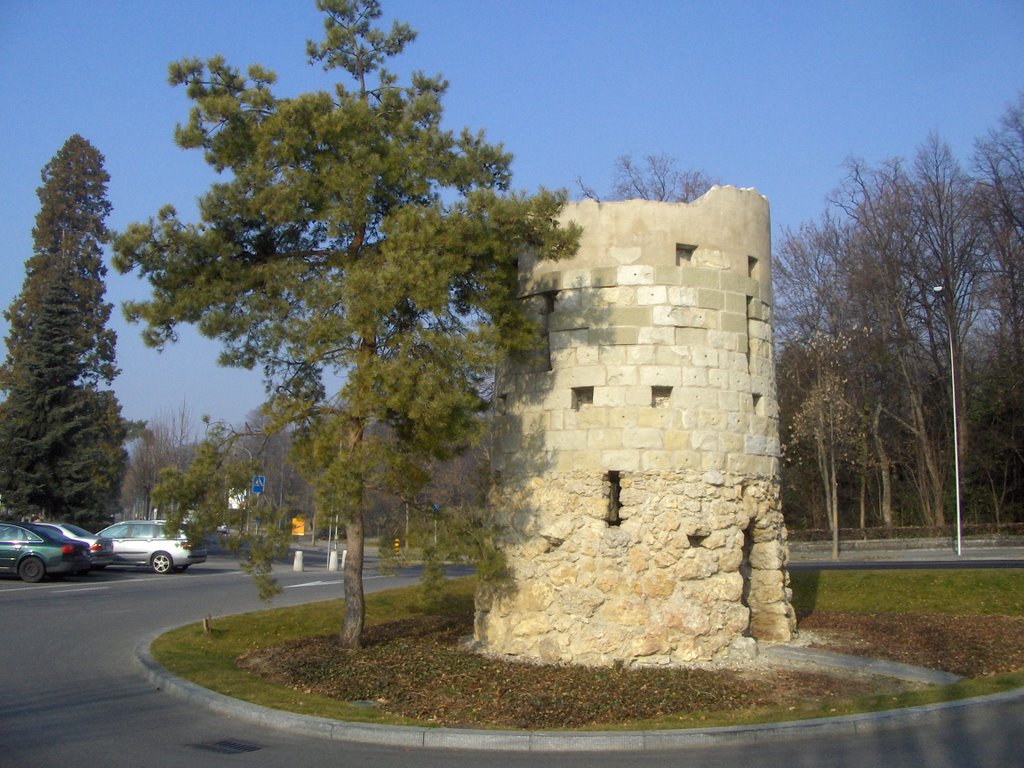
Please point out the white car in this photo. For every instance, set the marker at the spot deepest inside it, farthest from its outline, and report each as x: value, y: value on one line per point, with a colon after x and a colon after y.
x: 145, y: 542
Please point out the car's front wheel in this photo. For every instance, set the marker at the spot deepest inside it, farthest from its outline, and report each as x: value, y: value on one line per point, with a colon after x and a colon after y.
x: 32, y: 570
x: 161, y: 562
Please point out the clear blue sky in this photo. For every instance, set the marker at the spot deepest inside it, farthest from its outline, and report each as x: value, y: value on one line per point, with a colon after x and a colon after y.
x: 767, y: 94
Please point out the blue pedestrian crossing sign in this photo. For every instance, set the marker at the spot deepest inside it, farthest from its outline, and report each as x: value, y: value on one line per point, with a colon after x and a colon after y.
x: 258, y: 483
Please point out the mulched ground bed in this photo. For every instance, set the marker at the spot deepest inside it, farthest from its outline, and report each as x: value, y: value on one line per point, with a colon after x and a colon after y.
x: 969, y: 646
x: 416, y: 668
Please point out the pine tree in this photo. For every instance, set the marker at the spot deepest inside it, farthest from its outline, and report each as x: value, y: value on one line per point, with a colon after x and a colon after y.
x: 61, y: 435
x: 353, y: 236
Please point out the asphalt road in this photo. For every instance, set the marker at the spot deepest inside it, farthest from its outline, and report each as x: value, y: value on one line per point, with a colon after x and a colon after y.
x: 973, y: 556
x: 71, y: 695
x: 901, y: 565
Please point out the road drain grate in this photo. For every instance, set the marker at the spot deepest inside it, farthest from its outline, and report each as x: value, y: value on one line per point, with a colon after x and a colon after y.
x: 228, y: 747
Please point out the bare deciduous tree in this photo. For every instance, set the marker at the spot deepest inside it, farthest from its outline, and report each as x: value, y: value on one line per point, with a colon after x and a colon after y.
x: 827, y: 419
x: 657, y: 178
x: 999, y: 409
x: 166, y: 442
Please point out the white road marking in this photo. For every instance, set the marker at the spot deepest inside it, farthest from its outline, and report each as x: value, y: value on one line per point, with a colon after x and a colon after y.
x: 312, y: 584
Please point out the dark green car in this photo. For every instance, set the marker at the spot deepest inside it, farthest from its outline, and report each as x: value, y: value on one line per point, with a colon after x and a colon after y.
x: 34, y: 555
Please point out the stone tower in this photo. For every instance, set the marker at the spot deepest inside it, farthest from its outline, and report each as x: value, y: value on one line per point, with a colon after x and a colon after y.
x: 636, y: 454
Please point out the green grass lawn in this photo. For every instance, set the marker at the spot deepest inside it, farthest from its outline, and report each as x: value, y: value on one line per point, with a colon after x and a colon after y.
x: 957, y: 592
x: 209, y: 658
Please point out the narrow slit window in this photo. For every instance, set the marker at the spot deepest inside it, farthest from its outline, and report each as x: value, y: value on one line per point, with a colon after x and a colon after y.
x: 752, y: 266
x: 582, y: 396
x: 547, y: 310
x: 684, y: 254
x: 751, y: 308
x: 660, y: 397
x: 758, y: 405
x: 614, y: 504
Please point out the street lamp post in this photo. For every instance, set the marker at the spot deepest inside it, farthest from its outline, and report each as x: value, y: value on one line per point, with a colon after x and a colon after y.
x: 956, y: 431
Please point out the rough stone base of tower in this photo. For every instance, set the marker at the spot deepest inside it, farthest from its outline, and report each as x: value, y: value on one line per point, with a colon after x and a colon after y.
x: 691, y: 567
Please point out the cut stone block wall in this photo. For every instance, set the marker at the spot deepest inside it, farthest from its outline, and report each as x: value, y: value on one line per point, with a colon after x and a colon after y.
x: 636, y: 453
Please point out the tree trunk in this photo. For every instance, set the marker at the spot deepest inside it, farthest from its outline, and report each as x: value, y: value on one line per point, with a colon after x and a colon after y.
x: 834, y: 489
x: 829, y: 482
x: 932, y: 492
x: 886, y: 478
x: 355, y: 431
x: 884, y: 469
x: 863, y: 501
x: 355, y: 606
x: 826, y: 485
x: 998, y: 497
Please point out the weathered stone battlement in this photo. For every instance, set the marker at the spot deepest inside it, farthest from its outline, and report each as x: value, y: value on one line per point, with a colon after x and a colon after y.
x: 636, y: 453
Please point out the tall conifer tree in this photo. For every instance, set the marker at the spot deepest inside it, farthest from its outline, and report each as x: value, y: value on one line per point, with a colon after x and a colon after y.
x: 61, y: 434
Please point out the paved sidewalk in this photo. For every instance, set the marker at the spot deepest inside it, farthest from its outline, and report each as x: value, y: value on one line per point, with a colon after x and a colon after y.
x: 862, y: 664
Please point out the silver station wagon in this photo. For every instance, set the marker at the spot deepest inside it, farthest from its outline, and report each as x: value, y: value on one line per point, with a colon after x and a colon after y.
x: 146, y: 542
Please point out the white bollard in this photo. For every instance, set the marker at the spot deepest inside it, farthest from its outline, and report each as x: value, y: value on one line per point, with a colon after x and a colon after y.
x: 298, y: 561
x: 344, y: 554
x: 332, y: 560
